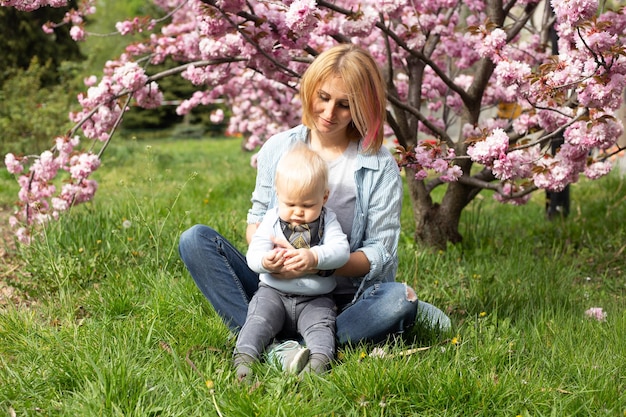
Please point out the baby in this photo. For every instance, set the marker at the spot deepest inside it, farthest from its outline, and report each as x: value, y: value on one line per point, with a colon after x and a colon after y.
x: 302, y: 236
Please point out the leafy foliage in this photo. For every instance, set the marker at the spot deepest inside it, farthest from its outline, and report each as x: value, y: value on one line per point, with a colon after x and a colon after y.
x: 32, y: 113
x: 21, y: 39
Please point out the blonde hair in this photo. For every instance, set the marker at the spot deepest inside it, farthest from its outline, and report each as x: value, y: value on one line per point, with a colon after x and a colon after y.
x: 366, y: 91
x: 301, y: 169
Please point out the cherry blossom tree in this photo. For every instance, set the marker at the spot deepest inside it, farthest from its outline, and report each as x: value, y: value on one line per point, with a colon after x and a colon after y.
x: 475, y: 95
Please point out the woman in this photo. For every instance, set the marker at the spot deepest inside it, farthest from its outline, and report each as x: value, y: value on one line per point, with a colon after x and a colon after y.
x: 343, y: 100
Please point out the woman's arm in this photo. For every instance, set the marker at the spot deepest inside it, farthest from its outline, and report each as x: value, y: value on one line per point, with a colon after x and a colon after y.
x: 357, y: 266
x: 250, y: 230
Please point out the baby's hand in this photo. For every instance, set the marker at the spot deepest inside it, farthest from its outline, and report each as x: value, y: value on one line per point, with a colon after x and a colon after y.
x: 274, y: 260
x: 300, y: 260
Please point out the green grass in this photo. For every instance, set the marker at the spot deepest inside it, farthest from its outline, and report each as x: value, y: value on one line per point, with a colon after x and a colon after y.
x: 115, y: 326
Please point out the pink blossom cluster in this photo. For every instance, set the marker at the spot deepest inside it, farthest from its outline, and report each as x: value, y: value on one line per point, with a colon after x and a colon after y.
x: 516, y: 164
x: 300, y: 17
x: 217, y: 116
x: 431, y: 155
x: 38, y: 197
x: 30, y: 5
x: 101, y: 105
x: 74, y: 17
x: 574, y: 11
x: 134, y: 25
x: 249, y: 55
x: 596, y: 313
x: 492, y: 43
x: 490, y: 148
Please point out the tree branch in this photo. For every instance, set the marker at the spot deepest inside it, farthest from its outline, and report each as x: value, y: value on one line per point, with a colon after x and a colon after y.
x: 417, y: 54
x: 441, y: 134
x: 520, y: 23
x: 155, y: 77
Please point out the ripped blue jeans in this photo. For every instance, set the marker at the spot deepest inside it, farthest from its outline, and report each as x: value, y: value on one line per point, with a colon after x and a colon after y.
x: 222, y: 275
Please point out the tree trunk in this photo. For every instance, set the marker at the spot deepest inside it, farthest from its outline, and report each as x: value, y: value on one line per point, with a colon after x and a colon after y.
x: 435, y: 227
x: 436, y: 224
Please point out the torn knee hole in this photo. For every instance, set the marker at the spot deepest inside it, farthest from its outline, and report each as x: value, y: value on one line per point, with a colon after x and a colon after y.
x: 410, y: 293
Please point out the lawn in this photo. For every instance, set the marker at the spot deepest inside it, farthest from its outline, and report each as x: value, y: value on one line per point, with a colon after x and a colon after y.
x: 102, y: 318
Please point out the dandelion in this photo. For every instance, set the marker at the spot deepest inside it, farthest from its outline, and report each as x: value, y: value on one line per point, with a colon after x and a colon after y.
x: 455, y: 340
x: 126, y: 224
x: 209, y: 384
x: 482, y: 314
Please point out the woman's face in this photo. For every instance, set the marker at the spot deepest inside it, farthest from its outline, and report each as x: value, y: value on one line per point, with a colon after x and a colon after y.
x: 331, y: 108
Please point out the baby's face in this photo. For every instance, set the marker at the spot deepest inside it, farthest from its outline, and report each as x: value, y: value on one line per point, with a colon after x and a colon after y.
x: 300, y: 207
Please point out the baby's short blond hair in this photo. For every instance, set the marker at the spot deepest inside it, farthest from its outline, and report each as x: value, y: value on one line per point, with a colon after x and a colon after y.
x: 301, y: 168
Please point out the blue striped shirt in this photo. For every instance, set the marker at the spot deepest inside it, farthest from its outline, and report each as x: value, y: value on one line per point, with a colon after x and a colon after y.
x: 376, y: 225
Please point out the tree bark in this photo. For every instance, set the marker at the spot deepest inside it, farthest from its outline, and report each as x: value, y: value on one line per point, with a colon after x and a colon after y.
x: 437, y: 224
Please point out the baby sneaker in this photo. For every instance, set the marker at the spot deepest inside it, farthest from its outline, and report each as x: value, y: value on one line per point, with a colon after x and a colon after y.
x: 289, y: 355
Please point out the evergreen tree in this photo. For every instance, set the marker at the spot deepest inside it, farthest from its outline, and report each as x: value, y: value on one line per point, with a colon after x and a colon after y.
x: 21, y: 39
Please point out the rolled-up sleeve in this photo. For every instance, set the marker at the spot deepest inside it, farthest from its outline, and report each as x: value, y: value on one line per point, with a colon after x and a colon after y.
x: 380, y: 208
x: 264, y: 187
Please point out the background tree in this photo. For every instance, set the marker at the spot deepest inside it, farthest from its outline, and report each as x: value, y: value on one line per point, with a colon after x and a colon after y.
x: 36, y: 78
x: 33, y: 110
x: 21, y: 39
x: 448, y: 64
